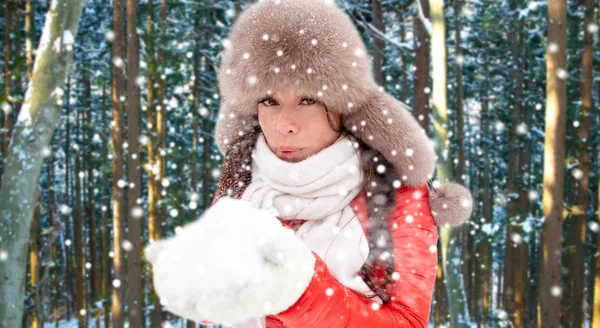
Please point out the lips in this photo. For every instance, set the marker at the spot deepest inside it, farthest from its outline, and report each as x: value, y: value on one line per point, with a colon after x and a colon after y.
x: 288, y: 149
x: 288, y: 152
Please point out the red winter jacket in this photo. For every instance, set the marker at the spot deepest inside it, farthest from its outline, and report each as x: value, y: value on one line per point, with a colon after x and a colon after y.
x: 415, y: 236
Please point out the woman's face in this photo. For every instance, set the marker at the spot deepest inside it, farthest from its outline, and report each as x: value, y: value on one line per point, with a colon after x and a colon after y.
x: 296, y: 127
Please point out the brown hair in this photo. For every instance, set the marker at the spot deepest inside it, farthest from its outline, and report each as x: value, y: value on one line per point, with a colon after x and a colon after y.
x: 377, y: 270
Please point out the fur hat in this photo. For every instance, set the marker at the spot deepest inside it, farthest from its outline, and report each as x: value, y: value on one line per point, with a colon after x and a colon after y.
x: 311, y: 47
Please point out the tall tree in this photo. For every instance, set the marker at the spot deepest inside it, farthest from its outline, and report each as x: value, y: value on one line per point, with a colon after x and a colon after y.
x: 484, y: 272
x: 95, y: 295
x: 521, y: 281
x: 34, y: 265
x: 105, y: 228
x: 461, y: 165
x: 421, y: 88
x: 377, y: 42
x: 152, y: 155
x: 55, y: 269
x: 581, y: 209
x: 32, y: 133
x: 404, y: 72
x: 161, y: 119
x: 68, y: 270
x: 196, y: 109
x: 8, y: 57
x: 78, y: 242
x: 554, y: 155
x: 29, y: 36
x: 134, y: 192
x: 118, y: 195
x: 448, y: 236
x: 513, y: 245
x: 238, y: 8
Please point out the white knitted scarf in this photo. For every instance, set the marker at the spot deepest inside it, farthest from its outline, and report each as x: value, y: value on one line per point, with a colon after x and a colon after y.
x: 318, y: 189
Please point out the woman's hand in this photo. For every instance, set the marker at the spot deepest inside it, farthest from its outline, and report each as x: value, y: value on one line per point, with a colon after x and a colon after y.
x: 235, y: 263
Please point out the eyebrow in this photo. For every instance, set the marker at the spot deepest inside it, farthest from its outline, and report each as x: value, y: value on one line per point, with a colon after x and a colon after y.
x: 301, y: 97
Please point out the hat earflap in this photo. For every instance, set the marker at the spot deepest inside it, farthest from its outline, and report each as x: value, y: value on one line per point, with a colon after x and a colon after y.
x: 386, y: 124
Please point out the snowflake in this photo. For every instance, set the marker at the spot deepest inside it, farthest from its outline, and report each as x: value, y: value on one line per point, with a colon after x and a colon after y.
x: 137, y: 212
x: 561, y: 73
x: 127, y: 245
x: 329, y: 291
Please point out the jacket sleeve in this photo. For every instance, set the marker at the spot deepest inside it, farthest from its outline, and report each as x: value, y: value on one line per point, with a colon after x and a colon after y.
x: 415, y: 237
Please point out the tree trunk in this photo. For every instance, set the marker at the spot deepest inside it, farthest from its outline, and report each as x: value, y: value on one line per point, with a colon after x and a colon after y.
x: 105, y: 228
x: 161, y: 121
x: 450, y: 248
x: 439, y: 292
x: 206, y: 149
x: 238, y: 8
x: 8, y: 61
x: 461, y: 165
x: 512, y: 229
x: 522, y: 249
x: 95, y: 295
x: 152, y: 170
x: 533, y: 273
x: 78, y: 242
x: 197, y: 110
x: 377, y: 42
x: 421, y: 78
x: 17, y: 69
x: 134, y: 192
x: 118, y: 195
x: 54, y: 270
x: 32, y: 133
x: 596, y: 303
x: 581, y: 209
x: 34, y: 257
x: 595, y: 267
x: 483, y: 272
x: 29, y: 36
x: 404, y: 72
x: 196, y: 106
x: 554, y: 156
x: 527, y: 171
x: 68, y: 257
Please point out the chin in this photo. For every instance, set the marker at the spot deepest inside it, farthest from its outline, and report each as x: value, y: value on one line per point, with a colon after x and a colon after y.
x: 292, y: 160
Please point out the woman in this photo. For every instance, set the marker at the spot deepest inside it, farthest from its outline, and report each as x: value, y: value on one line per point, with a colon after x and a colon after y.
x: 311, y: 138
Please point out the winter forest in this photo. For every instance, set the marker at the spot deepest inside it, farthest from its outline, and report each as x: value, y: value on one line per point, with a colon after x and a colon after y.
x: 107, y: 143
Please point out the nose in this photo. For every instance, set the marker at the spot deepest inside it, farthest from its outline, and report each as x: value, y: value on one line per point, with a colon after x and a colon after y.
x: 286, y: 124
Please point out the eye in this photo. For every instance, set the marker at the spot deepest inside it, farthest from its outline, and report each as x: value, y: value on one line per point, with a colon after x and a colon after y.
x: 266, y: 100
x: 309, y: 99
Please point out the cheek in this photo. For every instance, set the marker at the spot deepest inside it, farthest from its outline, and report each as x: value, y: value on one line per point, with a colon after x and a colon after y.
x: 321, y: 132
x: 267, y: 124
x: 319, y: 123
x: 264, y: 120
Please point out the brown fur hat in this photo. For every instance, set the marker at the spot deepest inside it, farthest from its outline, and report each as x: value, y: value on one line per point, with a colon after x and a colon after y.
x: 311, y: 48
